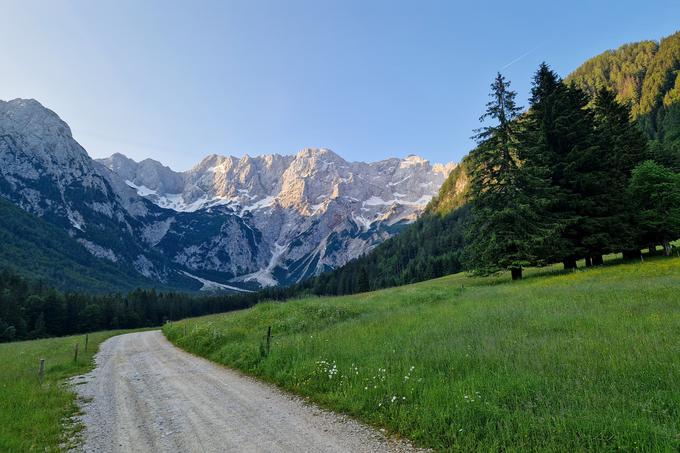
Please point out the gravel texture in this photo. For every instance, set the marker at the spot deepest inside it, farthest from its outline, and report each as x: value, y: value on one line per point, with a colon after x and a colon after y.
x: 145, y: 395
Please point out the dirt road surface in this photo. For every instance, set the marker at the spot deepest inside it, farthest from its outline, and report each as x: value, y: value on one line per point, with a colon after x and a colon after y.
x: 145, y: 395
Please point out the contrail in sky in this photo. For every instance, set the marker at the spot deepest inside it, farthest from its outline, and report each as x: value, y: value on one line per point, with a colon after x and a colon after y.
x: 519, y: 58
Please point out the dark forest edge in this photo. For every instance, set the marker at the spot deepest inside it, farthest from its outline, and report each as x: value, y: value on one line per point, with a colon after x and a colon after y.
x: 31, y: 310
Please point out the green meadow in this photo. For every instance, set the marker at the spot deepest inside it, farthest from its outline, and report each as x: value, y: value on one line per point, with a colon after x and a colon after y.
x: 586, y: 360
x: 35, y: 415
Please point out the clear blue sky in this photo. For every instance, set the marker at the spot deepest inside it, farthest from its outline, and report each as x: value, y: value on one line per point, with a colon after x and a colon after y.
x: 369, y: 79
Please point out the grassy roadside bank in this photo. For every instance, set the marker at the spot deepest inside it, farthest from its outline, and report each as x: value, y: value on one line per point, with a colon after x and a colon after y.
x: 33, y: 414
x: 557, y: 362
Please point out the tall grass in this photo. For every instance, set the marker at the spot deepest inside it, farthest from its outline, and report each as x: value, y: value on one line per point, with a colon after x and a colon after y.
x: 588, y: 360
x: 36, y: 416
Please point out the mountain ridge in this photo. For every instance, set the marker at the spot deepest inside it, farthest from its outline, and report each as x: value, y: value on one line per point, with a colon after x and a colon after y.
x: 149, y: 175
x: 237, y: 223
x: 296, y: 200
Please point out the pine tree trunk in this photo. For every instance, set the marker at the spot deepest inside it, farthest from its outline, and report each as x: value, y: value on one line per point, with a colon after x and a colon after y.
x: 666, y: 248
x: 589, y: 261
x: 516, y: 273
x: 569, y: 264
x: 631, y: 254
x: 598, y: 260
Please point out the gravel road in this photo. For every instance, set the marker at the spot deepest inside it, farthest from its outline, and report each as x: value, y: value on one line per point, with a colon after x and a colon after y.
x: 145, y: 395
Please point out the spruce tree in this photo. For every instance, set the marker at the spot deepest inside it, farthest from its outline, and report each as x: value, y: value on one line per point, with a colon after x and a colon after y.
x: 560, y: 133
x: 507, y: 226
x: 542, y: 142
x: 622, y: 146
x: 586, y: 177
x: 362, y: 280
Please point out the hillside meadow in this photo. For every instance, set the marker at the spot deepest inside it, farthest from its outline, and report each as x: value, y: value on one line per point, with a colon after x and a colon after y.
x: 585, y: 360
x: 35, y: 415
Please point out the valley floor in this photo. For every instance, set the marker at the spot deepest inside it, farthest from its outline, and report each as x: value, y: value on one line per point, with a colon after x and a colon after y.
x: 557, y: 362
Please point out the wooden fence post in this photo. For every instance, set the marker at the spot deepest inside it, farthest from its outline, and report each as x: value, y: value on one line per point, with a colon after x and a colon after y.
x: 269, y: 338
x: 86, y: 341
x: 75, y: 355
x: 185, y: 329
x: 41, y: 370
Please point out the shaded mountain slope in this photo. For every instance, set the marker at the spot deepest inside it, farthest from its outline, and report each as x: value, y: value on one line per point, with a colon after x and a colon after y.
x: 41, y: 251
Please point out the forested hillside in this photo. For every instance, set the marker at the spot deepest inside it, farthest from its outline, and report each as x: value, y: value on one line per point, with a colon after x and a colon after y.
x: 453, y: 192
x: 645, y: 76
x: 429, y: 248
x: 43, y: 252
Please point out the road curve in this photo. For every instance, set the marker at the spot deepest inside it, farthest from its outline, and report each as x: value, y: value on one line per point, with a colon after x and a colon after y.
x: 145, y: 395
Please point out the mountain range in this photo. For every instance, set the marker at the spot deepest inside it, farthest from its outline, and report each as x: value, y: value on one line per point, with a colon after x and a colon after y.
x: 228, y: 223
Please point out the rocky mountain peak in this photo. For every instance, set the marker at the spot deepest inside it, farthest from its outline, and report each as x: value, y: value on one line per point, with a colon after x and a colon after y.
x: 148, y: 173
x: 31, y: 117
x: 415, y: 160
x: 35, y: 144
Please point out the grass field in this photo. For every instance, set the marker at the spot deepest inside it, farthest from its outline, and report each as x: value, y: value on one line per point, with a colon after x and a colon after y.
x: 35, y: 416
x: 588, y: 360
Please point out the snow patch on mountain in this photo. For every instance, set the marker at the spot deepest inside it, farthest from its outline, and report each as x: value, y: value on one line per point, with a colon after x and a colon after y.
x: 263, y: 203
x: 211, y: 286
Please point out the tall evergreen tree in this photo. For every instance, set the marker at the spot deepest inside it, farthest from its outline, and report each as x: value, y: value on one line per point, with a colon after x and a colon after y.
x: 362, y: 280
x: 542, y: 141
x: 507, y: 225
x: 560, y: 133
x: 585, y: 179
x: 622, y: 146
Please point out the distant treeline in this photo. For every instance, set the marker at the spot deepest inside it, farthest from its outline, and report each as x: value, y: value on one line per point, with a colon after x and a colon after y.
x: 30, y: 310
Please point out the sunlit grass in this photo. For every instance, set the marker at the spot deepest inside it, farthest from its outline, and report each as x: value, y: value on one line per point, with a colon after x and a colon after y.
x: 585, y: 360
